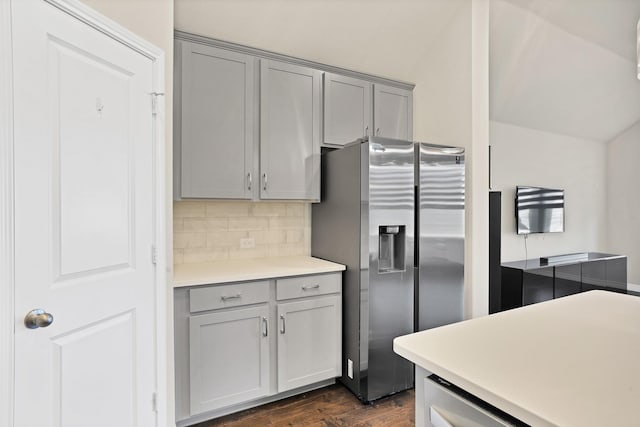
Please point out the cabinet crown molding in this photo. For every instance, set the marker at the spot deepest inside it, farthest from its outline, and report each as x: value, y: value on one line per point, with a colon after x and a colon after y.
x: 182, y: 35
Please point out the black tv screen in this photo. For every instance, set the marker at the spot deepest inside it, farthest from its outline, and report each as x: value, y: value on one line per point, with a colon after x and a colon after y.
x: 539, y: 210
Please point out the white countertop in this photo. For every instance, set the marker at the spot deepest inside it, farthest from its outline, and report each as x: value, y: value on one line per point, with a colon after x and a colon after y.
x: 572, y: 361
x: 238, y: 270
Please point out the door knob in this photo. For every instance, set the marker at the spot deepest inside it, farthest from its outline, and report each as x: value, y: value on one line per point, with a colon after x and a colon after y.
x: 38, y: 318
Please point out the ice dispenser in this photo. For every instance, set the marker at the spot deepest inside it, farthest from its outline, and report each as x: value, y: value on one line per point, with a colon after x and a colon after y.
x: 391, y: 248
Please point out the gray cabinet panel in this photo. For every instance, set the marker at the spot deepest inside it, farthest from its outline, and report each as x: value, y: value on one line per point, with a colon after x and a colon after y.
x: 289, y: 131
x: 309, y: 342
x: 217, y: 97
x: 393, y: 112
x: 347, y: 109
x: 617, y: 273
x: 594, y: 275
x: 228, y: 357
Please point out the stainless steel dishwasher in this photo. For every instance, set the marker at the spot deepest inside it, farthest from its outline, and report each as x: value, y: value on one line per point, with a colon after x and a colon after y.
x: 447, y: 405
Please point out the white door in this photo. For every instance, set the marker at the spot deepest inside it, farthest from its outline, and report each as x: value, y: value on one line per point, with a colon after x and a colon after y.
x: 83, y: 224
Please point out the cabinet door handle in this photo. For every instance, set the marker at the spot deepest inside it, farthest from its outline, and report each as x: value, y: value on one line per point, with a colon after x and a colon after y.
x: 265, y: 327
x: 264, y: 180
x: 282, y: 326
x: 249, y: 181
x: 366, y: 131
x: 230, y: 297
x: 378, y: 132
x: 309, y: 287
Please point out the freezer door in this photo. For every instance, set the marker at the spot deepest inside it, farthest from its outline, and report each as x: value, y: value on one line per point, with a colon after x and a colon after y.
x: 440, y: 225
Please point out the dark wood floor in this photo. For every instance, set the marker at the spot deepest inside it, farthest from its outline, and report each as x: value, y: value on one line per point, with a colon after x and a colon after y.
x: 332, y: 406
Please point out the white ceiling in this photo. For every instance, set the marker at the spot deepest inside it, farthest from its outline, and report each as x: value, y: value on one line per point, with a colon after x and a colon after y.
x: 565, y: 66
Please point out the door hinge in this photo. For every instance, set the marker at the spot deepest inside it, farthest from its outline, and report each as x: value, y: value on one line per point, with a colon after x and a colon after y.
x: 154, y: 254
x: 154, y: 401
x: 154, y: 102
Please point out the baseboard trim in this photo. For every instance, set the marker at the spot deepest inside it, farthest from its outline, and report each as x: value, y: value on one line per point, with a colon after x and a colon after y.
x: 633, y: 287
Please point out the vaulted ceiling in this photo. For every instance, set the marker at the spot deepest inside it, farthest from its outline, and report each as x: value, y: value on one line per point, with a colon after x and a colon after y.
x: 565, y: 66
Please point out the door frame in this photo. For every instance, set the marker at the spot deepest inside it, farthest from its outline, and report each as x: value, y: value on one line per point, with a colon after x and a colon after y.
x: 110, y: 28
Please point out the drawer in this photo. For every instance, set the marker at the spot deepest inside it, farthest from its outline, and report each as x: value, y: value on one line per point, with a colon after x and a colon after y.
x: 306, y: 286
x: 232, y: 295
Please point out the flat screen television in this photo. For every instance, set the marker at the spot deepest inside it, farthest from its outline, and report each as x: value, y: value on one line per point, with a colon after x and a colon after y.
x: 539, y: 210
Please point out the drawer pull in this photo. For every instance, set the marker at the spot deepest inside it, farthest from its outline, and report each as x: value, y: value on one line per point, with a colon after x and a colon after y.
x: 230, y: 297
x: 309, y: 287
x: 282, y: 327
x: 265, y: 327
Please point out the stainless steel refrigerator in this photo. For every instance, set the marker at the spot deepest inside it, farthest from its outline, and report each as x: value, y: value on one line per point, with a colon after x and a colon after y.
x: 367, y: 220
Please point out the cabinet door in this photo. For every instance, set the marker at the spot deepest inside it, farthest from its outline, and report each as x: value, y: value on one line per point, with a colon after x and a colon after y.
x: 567, y: 280
x: 393, y: 112
x: 537, y: 285
x: 289, y: 131
x: 228, y: 357
x: 617, y: 273
x: 594, y: 275
x: 217, y: 123
x: 347, y: 109
x: 309, y: 341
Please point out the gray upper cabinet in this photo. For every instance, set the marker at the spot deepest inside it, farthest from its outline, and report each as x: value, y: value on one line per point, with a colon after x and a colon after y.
x: 393, y: 112
x: 216, y: 102
x: 289, y: 131
x: 347, y: 109
x: 248, y: 124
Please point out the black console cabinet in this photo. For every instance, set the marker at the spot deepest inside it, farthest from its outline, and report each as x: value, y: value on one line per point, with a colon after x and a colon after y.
x: 531, y: 281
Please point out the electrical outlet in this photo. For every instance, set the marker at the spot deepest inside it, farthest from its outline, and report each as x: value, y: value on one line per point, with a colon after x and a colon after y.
x: 350, y: 368
x: 247, y: 243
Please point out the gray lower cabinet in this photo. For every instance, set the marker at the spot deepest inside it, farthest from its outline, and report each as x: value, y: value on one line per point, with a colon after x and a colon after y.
x: 393, y: 112
x: 289, y: 131
x: 242, y: 344
x: 308, y: 342
x: 215, y: 119
x: 228, y: 357
x: 348, y: 109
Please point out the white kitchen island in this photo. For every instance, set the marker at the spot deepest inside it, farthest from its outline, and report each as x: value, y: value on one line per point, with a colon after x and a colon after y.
x: 573, y: 361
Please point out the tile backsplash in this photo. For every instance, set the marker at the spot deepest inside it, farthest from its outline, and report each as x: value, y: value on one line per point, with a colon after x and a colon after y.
x: 213, y: 230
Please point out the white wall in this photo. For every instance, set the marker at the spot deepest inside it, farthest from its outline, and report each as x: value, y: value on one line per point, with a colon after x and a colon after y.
x: 451, y: 107
x: 522, y: 156
x: 623, y: 199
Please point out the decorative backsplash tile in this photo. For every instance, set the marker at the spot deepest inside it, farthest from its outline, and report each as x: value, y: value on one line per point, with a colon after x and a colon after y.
x: 213, y: 230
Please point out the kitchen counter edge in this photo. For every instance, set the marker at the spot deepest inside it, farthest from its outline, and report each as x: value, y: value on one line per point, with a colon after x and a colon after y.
x: 241, y: 270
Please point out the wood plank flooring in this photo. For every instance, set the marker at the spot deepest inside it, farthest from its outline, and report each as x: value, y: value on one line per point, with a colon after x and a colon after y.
x: 333, y: 406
